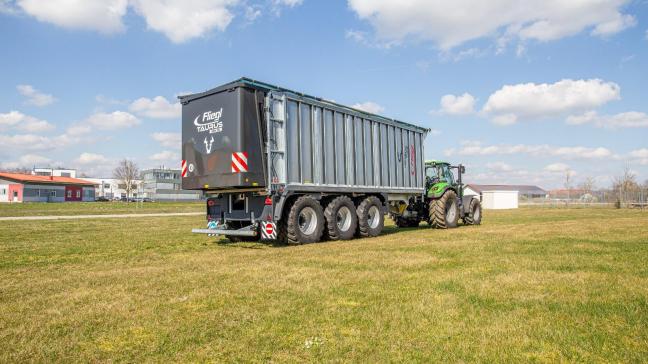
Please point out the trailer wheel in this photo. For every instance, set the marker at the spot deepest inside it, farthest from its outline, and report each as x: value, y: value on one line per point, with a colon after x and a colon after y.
x: 444, y: 212
x: 474, y: 213
x: 305, y: 221
x: 341, y: 219
x: 370, y: 217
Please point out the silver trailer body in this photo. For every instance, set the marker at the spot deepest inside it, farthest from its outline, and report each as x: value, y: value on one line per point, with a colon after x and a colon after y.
x: 322, y: 146
x: 256, y: 149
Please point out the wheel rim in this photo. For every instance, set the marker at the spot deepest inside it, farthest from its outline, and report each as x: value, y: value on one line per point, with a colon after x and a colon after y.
x: 451, y: 214
x: 307, y: 220
x: 343, y: 218
x: 476, y: 213
x: 373, y: 217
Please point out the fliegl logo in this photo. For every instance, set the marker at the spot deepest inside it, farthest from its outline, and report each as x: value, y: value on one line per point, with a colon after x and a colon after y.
x: 209, y: 121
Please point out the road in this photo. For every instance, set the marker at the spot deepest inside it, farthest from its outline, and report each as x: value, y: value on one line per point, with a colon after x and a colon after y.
x: 107, y: 216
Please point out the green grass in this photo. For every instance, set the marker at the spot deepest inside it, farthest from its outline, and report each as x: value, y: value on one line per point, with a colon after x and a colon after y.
x: 96, y: 208
x: 541, y: 285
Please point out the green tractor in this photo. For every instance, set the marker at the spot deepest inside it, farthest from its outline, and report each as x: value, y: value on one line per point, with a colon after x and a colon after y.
x: 443, y: 203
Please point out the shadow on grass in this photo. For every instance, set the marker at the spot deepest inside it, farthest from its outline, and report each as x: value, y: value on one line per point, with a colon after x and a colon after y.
x: 261, y: 244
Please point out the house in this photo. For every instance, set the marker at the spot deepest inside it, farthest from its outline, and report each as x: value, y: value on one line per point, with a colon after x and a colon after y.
x: 112, y: 188
x: 21, y: 187
x: 503, y: 196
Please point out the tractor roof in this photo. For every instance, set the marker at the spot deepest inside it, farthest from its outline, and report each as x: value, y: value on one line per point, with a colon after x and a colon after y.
x: 434, y: 161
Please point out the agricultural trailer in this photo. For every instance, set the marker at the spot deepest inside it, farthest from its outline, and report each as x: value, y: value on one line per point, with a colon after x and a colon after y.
x: 277, y: 164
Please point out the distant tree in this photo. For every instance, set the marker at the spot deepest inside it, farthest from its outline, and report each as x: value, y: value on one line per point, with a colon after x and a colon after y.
x: 588, y: 185
x: 568, y: 177
x: 18, y: 170
x: 625, y: 185
x: 126, y: 173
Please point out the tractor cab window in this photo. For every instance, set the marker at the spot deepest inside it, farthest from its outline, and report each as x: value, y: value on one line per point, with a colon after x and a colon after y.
x: 440, y: 172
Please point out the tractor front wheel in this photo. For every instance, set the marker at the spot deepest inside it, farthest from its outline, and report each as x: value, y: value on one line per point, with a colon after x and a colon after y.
x: 444, y: 212
x: 474, y: 213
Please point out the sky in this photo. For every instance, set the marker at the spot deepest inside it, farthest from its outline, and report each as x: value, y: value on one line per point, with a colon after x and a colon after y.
x: 520, y: 92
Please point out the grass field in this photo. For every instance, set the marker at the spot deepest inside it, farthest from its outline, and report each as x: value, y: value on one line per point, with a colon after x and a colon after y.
x: 97, y: 208
x: 528, y: 285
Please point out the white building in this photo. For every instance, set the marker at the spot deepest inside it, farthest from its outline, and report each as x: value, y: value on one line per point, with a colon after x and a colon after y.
x: 112, y: 188
x: 494, y: 196
x: 55, y: 172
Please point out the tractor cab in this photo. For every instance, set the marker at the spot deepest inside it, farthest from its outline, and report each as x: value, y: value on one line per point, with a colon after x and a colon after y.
x: 439, y: 177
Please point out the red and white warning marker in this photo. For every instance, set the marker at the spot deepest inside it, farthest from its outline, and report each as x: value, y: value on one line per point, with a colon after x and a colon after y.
x: 184, y: 168
x: 268, y: 230
x: 239, y: 162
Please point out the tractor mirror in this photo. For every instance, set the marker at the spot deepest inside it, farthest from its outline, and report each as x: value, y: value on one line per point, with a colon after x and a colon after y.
x: 463, y: 169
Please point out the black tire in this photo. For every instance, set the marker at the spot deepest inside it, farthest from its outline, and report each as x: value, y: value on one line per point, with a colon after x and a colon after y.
x: 299, y: 229
x: 441, y: 216
x: 365, y: 228
x: 474, y: 215
x: 336, y: 229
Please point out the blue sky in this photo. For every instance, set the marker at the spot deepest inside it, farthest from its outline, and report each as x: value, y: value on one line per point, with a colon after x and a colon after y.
x: 519, y: 91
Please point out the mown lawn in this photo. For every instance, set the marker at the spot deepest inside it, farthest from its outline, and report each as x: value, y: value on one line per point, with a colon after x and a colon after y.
x: 528, y: 285
x: 96, y: 208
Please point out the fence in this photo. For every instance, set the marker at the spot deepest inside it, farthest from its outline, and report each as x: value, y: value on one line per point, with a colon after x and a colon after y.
x: 602, y: 198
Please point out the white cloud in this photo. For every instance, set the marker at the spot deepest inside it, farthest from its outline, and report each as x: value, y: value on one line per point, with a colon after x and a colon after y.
x: 79, y: 129
x: 640, y: 156
x: 169, y: 140
x: 26, y: 123
x: 457, y: 105
x: 112, y: 121
x: 35, y: 97
x: 104, y: 16
x: 26, y: 161
x: 156, y: 108
x: 499, y: 167
x: 532, y: 101
x: 181, y: 20
x: 166, y: 156
x: 451, y: 23
x: 474, y: 148
x: 630, y: 119
x: 370, y: 107
x: 91, y: 158
x: 557, y: 168
x: 277, y: 5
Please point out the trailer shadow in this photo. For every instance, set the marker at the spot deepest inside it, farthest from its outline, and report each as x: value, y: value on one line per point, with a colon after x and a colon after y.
x: 262, y: 244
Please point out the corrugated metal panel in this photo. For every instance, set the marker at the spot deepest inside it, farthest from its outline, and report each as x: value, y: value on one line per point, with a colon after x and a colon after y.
x: 329, y: 146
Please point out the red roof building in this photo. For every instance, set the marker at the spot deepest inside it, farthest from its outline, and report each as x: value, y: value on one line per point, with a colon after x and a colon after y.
x: 20, y: 187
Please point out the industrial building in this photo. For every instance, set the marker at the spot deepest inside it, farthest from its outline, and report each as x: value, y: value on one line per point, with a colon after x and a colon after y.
x: 164, y: 184
x: 114, y: 189
x: 21, y: 187
x: 503, y: 196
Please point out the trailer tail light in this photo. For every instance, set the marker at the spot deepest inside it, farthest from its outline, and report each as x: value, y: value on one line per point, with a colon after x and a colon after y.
x: 211, y: 203
x: 268, y: 201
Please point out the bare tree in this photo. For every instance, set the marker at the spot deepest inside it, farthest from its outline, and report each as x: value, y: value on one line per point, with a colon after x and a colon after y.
x: 624, y: 185
x: 568, y: 176
x: 126, y: 173
x: 588, y: 185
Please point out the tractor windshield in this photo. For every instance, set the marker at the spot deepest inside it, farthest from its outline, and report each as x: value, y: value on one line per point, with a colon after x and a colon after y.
x: 440, y: 172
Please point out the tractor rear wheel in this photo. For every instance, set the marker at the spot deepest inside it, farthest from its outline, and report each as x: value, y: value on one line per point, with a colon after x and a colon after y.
x: 370, y: 217
x: 341, y: 219
x: 474, y: 213
x: 444, y: 212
